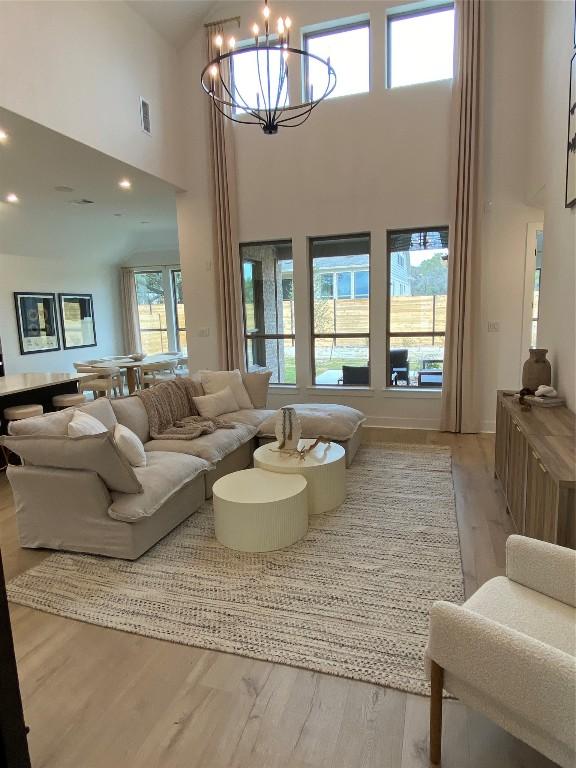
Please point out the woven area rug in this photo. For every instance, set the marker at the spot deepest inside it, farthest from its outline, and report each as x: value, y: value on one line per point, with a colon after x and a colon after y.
x: 351, y: 599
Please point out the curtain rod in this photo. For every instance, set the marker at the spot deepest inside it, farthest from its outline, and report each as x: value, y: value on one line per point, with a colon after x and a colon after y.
x: 222, y: 21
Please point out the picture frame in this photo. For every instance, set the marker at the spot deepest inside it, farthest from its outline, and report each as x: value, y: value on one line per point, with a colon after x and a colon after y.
x: 77, y: 320
x: 571, y: 143
x: 37, y: 322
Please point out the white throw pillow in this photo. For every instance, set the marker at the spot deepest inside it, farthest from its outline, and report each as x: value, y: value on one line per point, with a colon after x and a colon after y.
x: 214, y: 405
x: 84, y: 424
x: 130, y: 445
x: 216, y: 381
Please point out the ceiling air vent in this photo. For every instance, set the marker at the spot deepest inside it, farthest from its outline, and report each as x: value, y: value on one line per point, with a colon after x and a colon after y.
x: 82, y: 201
x: 145, y: 116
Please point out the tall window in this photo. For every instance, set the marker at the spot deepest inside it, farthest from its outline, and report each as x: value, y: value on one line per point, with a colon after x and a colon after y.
x: 179, y: 314
x: 420, y: 46
x: 268, y: 299
x: 536, y: 288
x: 417, y: 288
x: 160, y: 310
x: 341, y: 322
x: 348, y: 48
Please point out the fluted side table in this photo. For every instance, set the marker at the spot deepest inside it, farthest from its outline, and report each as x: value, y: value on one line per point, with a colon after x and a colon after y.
x: 259, y: 511
x: 324, y: 468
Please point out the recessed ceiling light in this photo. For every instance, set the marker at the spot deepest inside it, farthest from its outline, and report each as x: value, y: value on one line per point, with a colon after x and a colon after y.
x: 117, y: 214
x: 12, y: 198
x: 63, y: 188
x: 3, y: 136
x: 125, y: 184
x: 144, y: 222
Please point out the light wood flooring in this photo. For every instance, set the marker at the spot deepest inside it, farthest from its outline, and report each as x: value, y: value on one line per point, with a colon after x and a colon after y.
x: 98, y: 698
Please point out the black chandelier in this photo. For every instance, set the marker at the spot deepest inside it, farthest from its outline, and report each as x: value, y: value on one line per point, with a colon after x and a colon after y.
x: 268, y: 106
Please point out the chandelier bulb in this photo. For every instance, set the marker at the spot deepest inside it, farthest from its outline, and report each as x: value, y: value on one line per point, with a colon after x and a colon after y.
x: 280, y: 26
x: 287, y: 22
x: 213, y: 70
x: 266, y: 12
x: 218, y: 41
x: 255, y: 30
x: 231, y: 43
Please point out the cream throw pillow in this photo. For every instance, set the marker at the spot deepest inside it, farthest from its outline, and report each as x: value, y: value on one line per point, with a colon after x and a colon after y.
x: 84, y: 424
x: 211, y: 406
x: 216, y: 381
x: 130, y: 445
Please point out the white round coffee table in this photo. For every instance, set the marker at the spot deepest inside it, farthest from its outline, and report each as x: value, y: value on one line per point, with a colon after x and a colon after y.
x: 259, y: 511
x: 324, y: 468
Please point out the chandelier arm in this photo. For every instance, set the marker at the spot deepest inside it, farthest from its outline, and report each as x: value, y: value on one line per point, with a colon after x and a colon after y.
x: 226, y: 114
x: 233, y: 104
x: 288, y: 122
x: 260, y: 78
x: 268, y: 79
x: 281, y: 81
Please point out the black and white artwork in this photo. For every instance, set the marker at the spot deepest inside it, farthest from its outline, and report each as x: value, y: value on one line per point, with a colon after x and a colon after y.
x: 77, y: 317
x: 37, y: 323
x: 571, y: 153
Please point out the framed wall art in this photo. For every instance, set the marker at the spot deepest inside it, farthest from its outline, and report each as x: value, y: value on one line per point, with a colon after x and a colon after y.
x: 37, y: 323
x: 77, y: 319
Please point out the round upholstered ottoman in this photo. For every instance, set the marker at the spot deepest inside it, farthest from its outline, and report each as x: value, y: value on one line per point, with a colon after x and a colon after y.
x: 259, y: 511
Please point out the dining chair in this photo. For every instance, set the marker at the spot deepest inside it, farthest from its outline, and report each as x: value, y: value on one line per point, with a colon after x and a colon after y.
x: 157, y: 372
x: 107, y: 380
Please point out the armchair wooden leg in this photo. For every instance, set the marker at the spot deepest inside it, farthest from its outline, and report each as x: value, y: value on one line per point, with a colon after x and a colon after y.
x: 437, y: 681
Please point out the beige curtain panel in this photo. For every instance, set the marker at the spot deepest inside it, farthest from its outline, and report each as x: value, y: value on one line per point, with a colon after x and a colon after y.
x: 226, y: 253
x: 130, y: 321
x: 460, y: 410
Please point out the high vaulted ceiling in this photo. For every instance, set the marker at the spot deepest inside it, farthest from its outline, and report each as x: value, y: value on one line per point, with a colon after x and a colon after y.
x: 50, y: 222
x: 175, y: 20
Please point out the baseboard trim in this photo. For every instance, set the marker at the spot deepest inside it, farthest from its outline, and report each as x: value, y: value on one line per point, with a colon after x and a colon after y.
x: 400, y: 422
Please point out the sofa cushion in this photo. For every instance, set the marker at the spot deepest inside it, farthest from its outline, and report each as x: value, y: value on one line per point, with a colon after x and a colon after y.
x: 130, y: 445
x: 211, y: 448
x: 131, y: 412
x: 252, y: 416
x: 163, y: 476
x: 337, y: 422
x: 95, y: 453
x: 101, y: 410
x: 215, y: 381
x: 257, y: 384
x: 48, y: 424
x: 212, y: 406
x: 83, y: 424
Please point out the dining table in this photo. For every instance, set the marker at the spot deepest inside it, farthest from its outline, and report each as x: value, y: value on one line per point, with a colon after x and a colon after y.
x: 133, y: 367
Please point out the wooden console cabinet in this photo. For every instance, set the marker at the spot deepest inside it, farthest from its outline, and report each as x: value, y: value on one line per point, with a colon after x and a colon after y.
x: 535, y: 461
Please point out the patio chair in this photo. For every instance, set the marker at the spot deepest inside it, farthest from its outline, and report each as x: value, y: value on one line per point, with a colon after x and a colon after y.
x: 355, y: 376
x: 399, y: 367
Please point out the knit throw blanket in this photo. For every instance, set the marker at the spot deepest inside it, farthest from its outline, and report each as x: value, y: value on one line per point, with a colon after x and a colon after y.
x: 172, y: 413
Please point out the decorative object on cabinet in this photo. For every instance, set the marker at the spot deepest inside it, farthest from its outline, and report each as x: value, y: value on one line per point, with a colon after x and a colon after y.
x: 37, y: 324
x: 77, y: 318
x: 536, y: 371
x: 535, y: 461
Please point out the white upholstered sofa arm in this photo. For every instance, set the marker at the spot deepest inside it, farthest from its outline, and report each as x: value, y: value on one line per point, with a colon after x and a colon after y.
x: 543, y: 567
x: 535, y: 681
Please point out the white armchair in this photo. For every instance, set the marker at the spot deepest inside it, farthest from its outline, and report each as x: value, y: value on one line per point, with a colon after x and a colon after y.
x: 510, y: 651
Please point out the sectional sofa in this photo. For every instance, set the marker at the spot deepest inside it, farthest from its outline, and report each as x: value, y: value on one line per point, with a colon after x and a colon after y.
x: 81, y: 494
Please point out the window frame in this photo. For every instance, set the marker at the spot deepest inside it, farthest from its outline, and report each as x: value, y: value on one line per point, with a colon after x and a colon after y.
x: 414, y: 334
x: 177, y: 329
x: 265, y: 336
x: 313, y: 334
x: 333, y: 28
x: 392, y: 16
x: 171, y: 329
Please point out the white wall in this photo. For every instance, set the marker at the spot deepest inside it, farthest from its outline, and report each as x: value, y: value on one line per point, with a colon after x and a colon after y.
x: 81, y: 67
x: 557, y: 323
x: 35, y: 273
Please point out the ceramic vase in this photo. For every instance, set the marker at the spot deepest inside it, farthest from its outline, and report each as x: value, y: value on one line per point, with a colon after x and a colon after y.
x: 536, y: 370
x: 288, y: 429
